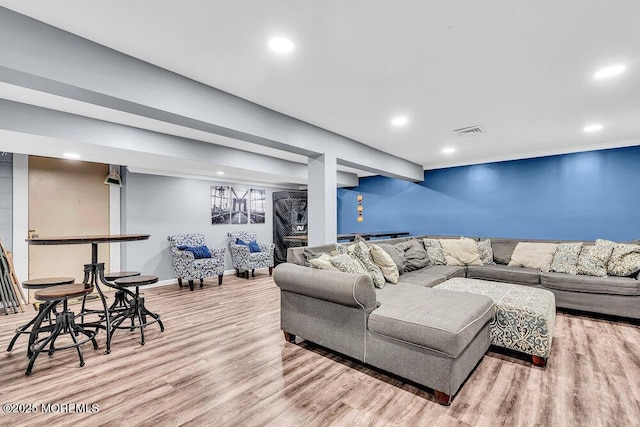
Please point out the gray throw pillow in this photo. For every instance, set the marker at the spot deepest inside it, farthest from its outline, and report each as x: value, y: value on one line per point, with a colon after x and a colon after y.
x: 565, y: 260
x: 414, y: 253
x: 396, y: 255
x: 502, y: 250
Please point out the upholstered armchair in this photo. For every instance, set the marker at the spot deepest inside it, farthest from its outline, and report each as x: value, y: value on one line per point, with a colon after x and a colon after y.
x: 188, y: 264
x: 246, y: 258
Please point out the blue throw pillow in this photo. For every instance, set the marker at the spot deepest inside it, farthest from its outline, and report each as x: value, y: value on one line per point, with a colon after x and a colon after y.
x: 252, y: 245
x: 197, y: 251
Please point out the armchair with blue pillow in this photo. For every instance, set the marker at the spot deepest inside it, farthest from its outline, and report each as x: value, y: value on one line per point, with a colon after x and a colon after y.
x: 247, y: 254
x: 192, y: 259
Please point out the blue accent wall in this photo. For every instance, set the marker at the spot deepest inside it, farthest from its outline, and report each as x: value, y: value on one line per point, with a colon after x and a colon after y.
x: 581, y: 196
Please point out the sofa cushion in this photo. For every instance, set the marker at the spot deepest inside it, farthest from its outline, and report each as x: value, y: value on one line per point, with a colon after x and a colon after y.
x: 460, y: 252
x: 361, y: 251
x: 440, y: 320
x: 533, y: 255
x: 502, y: 250
x: 396, y: 255
x: 505, y: 273
x: 624, y: 260
x: 449, y: 271
x: 422, y: 277
x: 593, y: 260
x: 385, y: 262
x: 590, y: 284
x: 565, y: 260
x: 414, y: 253
x: 434, y: 251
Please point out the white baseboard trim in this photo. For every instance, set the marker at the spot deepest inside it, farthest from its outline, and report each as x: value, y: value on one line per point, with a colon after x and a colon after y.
x: 174, y: 281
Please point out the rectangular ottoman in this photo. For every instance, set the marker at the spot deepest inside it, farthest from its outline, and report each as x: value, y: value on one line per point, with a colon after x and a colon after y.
x: 525, y: 316
x: 430, y: 336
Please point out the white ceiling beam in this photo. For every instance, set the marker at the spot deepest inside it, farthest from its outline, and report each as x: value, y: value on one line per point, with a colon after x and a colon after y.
x: 130, y: 142
x: 38, y: 56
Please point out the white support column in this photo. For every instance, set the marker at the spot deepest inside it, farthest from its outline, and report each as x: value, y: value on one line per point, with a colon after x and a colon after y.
x: 322, y: 199
x: 21, y: 215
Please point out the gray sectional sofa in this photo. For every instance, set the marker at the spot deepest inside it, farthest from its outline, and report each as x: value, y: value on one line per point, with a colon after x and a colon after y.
x: 433, y: 337
x: 610, y: 295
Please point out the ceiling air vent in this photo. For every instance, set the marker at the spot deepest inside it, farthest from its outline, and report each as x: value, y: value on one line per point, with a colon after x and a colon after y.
x: 468, y: 131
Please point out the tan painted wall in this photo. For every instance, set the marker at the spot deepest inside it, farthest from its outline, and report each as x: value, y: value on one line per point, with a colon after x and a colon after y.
x: 66, y: 198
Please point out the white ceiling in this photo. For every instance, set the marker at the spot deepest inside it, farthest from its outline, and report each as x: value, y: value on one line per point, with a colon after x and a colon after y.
x: 521, y: 70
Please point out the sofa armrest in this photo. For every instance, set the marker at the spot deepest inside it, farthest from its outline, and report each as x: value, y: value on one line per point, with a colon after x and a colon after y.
x: 217, y: 252
x: 352, y: 290
x: 184, y: 256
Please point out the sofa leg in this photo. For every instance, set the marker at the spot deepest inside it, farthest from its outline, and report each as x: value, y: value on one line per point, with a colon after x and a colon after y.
x: 442, y: 398
x: 201, y: 283
x: 270, y: 271
x: 179, y: 282
x: 246, y: 274
x: 538, y: 361
x: 190, y: 285
x: 237, y: 272
x: 219, y: 279
x: 289, y: 337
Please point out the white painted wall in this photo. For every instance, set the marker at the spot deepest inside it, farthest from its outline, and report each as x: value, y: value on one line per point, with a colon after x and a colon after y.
x: 161, y: 206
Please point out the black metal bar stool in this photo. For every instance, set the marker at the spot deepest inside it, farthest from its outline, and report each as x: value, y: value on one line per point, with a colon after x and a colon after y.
x: 36, y: 284
x: 137, y: 310
x: 119, y: 300
x: 64, y: 324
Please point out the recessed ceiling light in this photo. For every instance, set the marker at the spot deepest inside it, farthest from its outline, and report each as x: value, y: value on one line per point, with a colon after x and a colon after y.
x: 399, y: 121
x: 593, y: 128
x: 448, y: 150
x: 72, y: 156
x: 612, y: 71
x: 220, y: 173
x: 281, y: 45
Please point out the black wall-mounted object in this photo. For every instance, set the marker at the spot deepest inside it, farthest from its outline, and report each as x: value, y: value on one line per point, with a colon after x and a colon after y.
x: 289, y: 219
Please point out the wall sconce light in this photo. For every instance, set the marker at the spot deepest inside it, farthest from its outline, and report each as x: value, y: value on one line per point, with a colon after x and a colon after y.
x: 360, y: 208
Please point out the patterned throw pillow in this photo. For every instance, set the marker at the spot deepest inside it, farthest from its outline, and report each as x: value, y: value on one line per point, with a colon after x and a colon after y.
x: 434, y: 251
x: 565, y: 260
x: 536, y: 255
x: 361, y: 251
x: 386, y: 264
x: 486, y: 252
x: 322, y: 262
x: 624, y: 261
x: 593, y: 260
x: 348, y: 264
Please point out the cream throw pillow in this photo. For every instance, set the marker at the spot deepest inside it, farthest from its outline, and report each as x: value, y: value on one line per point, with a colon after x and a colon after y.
x: 533, y: 255
x: 323, y: 262
x: 386, y: 264
x: 460, y: 252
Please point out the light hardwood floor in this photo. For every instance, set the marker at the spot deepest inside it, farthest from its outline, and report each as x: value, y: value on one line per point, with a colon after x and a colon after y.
x: 222, y: 360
